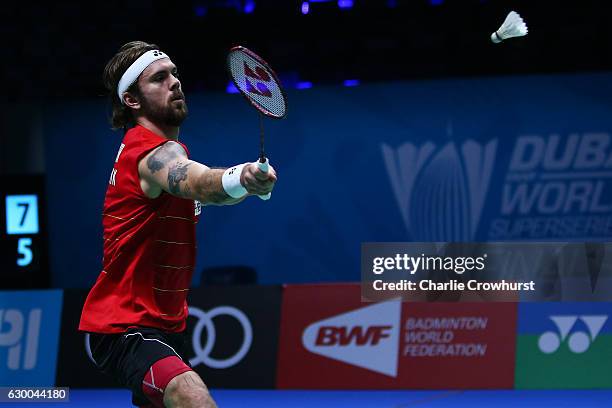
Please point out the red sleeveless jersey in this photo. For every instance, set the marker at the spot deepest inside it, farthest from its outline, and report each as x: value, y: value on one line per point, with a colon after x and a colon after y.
x: 149, y: 250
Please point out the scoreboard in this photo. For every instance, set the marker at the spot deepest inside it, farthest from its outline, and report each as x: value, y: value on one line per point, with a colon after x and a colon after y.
x: 23, y: 235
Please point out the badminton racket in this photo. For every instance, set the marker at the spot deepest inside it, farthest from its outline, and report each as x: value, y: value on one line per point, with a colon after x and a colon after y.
x: 260, y: 86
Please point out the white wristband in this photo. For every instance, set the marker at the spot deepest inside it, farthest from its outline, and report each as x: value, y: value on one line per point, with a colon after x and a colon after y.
x: 231, y: 181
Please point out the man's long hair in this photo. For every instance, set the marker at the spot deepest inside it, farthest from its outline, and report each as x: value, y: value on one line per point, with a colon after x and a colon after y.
x: 128, y: 53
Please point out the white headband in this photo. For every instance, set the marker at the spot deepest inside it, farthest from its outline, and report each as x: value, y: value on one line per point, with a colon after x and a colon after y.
x: 133, y: 72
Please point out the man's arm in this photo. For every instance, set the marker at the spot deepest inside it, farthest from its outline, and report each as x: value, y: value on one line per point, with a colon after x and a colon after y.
x: 169, y: 169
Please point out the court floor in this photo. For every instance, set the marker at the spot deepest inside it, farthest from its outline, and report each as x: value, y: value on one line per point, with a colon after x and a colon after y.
x: 361, y: 399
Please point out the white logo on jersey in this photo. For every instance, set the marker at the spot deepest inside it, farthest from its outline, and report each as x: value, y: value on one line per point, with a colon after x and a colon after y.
x: 198, y: 207
x: 113, y: 177
x: 119, y: 153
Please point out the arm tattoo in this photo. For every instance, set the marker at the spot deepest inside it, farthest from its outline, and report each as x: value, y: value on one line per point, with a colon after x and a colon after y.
x: 164, y: 155
x: 176, y: 174
x: 212, y: 187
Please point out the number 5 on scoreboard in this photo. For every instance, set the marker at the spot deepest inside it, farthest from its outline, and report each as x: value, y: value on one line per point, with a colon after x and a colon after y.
x: 24, y: 248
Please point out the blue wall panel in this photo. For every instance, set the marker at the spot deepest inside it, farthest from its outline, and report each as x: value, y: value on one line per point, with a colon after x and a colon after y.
x: 468, y: 159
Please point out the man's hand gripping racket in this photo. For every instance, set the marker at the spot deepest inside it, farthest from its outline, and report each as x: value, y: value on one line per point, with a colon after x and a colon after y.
x: 260, y: 86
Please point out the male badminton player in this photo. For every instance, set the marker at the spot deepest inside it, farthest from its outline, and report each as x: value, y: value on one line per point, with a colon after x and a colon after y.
x: 136, y: 312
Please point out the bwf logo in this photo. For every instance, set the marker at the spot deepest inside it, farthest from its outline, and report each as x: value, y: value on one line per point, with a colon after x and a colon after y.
x: 20, y: 336
x: 366, y: 337
x: 453, y: 180
x: 578, y: 341
x: 360, y: 336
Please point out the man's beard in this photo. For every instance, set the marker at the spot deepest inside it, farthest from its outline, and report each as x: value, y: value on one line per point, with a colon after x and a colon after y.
x: 168, y: 115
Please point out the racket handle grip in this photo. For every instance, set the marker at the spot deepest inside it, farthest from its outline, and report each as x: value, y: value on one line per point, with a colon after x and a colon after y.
x: 264, y: 167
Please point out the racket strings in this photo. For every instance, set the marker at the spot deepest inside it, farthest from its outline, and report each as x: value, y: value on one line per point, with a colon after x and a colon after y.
x: 258, y: 83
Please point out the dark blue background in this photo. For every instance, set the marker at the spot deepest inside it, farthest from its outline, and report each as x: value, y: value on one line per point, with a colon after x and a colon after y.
x: 334, y: 191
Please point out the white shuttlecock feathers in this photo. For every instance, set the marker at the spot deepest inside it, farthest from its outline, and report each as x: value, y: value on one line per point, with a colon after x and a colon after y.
x: 513, y: 26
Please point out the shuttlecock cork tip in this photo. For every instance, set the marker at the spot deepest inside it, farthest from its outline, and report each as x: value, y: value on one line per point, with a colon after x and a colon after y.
x: 513, y: 26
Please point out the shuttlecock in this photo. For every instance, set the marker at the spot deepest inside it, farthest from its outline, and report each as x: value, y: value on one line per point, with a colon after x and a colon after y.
x: 513, y: 26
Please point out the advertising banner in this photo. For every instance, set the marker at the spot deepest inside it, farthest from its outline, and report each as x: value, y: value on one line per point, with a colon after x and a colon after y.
x: 29, y: 332
x: 329, y: 339
x: 232, y: 333
x: 564, y: 345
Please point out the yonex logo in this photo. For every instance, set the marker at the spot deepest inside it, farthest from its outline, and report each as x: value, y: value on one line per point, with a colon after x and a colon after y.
x: 259, y: 74
x: 578, y: 341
